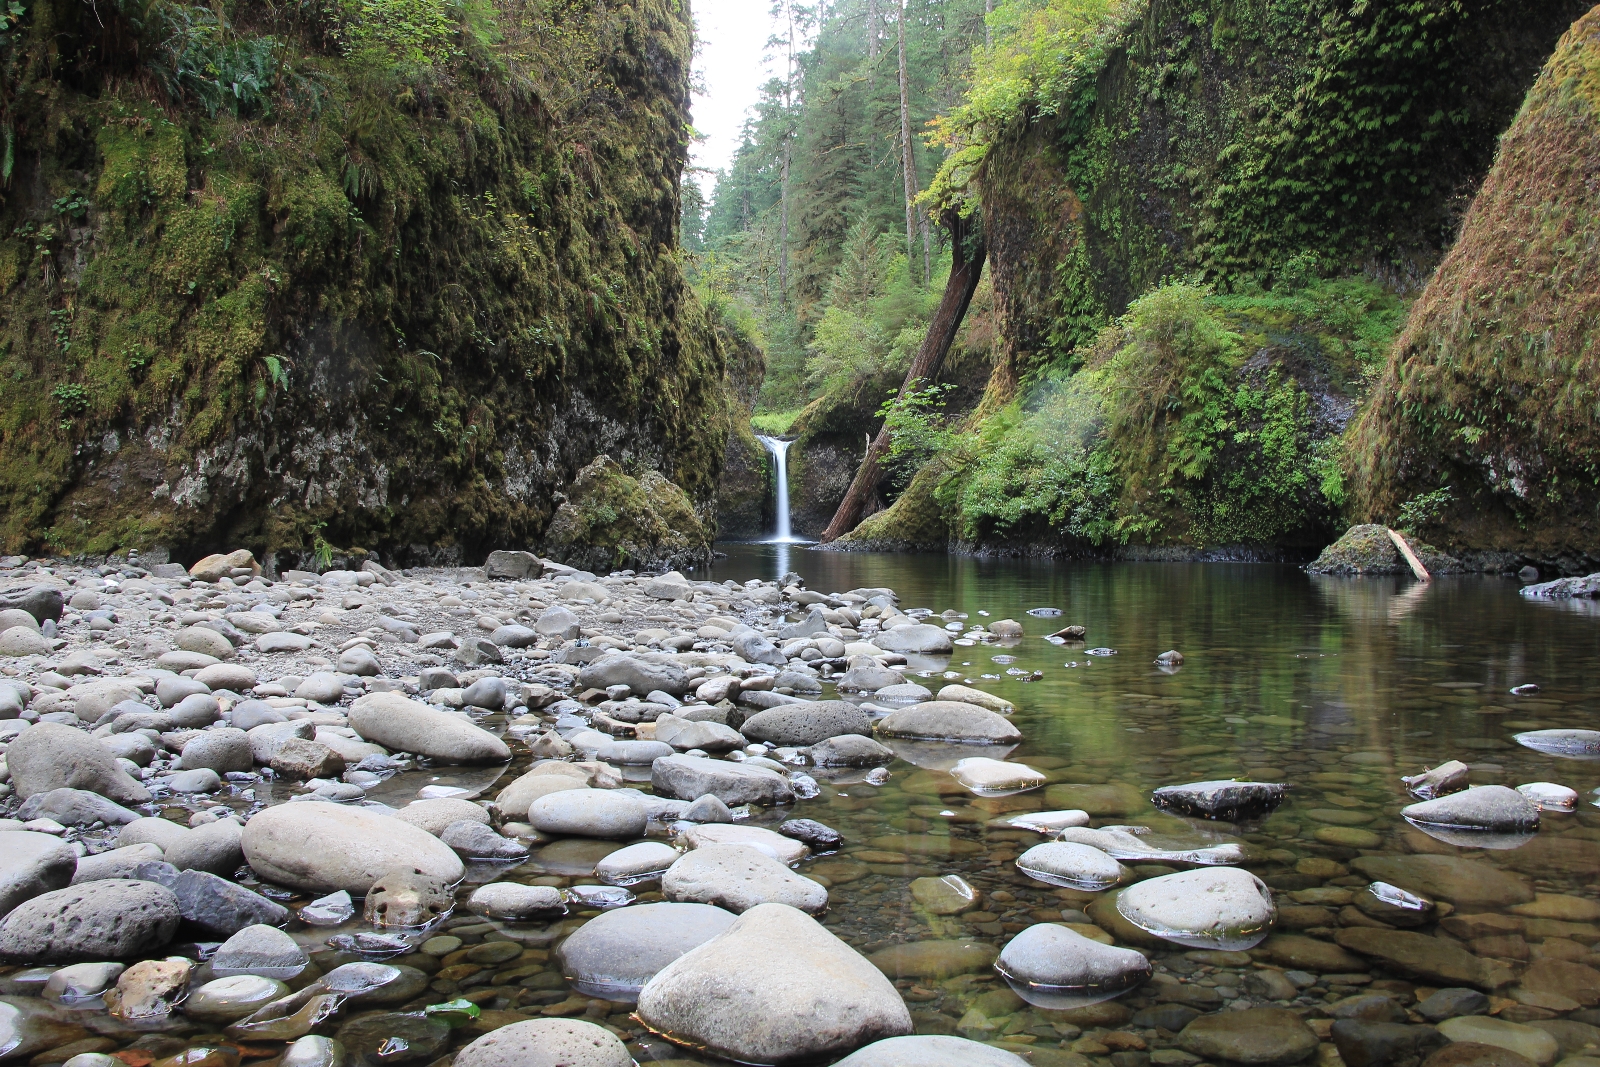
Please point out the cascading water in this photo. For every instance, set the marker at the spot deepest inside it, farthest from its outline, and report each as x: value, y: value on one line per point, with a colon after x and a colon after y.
x: 779, y: 450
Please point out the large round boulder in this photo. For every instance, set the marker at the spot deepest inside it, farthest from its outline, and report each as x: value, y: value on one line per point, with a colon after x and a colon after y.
x: 401, y: 724
x: 49, y: 755
x: 321, y: 848
x: 807, y: 723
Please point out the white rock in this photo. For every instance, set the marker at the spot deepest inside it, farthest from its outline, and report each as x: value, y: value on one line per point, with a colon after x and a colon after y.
x: 404, y: 725
x: 738, y: 878
x: 605, y: 813
x: 324, y: 847
x: 1219, y: 908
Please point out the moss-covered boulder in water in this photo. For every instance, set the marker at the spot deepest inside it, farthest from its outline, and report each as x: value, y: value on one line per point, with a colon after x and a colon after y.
x: 611, y: 520
x: 1494, y: 386
x: 1369, y: 549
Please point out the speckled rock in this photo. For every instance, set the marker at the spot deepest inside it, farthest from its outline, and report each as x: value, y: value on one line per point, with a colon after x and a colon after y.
x: 112, y: 919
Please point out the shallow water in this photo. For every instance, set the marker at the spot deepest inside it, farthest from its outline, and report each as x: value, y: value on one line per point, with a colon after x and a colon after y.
x: 1336, y: 686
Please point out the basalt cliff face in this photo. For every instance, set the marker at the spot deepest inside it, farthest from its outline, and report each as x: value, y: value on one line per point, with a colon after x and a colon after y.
x: 270, y: 276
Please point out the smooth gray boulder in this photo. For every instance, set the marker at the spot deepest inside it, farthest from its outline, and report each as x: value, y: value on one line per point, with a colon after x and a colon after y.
x: 404, y: 725
x: 633, y: 753
x: 268, y: 738
x: 807, y: 724
x: 215, y: 848
x: 692, y: 777
x: 512, y: 900
x: 917, y: 638
x: 435, y: 816
x: 639, y: 675
x: 636, y: 863
x: 474, y: 840
x: 50, y: 756
x: 754, y: 648
x: 706, y: 735
x: 222, y: 750
x: 514, y: 636
x: 775, y: 987
x: 1217, y: 908
x: 32, y: 864
x: 547, y: 1043
x: 949, y: 720
x: 849, y: 750
x: 223, y: 908
x: 602, y: 813
x: 513, y: 565
x: 325, y: 847
x: 121, y: 862
x: 1075, y: 866
x: 612, y: 956
x: 41, y: 601
x: 739, y: 877
x: 75, y: 807
x: 931, y: 1050
x: 870, y: 677
x: 112, y: 919
x: 558, y: 622
x: 260, y: 950
x: 1493, y: 808
x: 1054, y: 967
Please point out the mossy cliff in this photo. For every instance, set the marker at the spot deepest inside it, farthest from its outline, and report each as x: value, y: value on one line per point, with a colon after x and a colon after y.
x: 1493, y: 391
x: 744, y: 490
x: 394, y: 276
x: 1299, y: 169
x: 609, y: 519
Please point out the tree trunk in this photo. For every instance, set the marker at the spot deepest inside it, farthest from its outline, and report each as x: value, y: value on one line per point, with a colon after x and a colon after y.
x: 966, y: 267
x: 872, y: 33
x: 910, y: 165
x: 988, y: 9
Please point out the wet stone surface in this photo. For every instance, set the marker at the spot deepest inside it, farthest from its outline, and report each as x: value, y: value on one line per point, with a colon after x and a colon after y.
x: 1337, y: 688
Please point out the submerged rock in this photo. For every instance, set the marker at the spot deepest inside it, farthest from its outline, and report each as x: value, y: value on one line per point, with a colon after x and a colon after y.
x: 949, y: 895
x: 775, y: 987
x: 996, y: 778
x: 1572, y: 744
x: 1262, y: 1037
x: 406, y: 897
x: 1224, y: 908
x: 613, y: 955
x: 1121, y: 845
x: 1548, y: 796
x: 1230, y: 800
x: 1072, y: 865
x: 1055, y: 968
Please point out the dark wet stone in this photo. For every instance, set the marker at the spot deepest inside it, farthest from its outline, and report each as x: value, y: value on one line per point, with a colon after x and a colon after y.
x: 1371, y: 1008
x: 1228, y: 800
x: 820, y: 837
x: 1384, y: 1044
x: 1449, y: 1003
x: 1268, y: 1036
x: 222, y: 907
x: 391, y: 1037
x: 1474, y: 1054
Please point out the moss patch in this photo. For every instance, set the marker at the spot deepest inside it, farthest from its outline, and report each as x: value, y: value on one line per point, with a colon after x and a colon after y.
x: 611, y: 520
x: 1368, y: 550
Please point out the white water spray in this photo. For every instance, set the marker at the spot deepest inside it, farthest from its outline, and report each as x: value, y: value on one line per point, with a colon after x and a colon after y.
x: 779, y: 449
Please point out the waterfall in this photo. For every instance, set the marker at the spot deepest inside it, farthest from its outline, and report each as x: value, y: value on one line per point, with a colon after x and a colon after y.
x: 779, y: 449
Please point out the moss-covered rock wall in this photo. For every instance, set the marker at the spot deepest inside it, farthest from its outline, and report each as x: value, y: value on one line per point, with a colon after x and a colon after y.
x: 1490, y: 403
x: 269, y: 273
x: 744, y: 492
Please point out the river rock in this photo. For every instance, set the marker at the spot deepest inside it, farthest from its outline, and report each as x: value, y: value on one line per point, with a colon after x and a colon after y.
x: 603, y: 813
x: 1536, y: 1045
x: 612, y: 956
x: 1471, y: 885
x: 559, y: 623
x: 404, y: 725
x: 904, y: 693
x: 106, y: 920
x: 266, y: 739
x: 949, y: 895
x: 869, y: 677
x: 547, y: 1043
x: 785, y: 850
x: 23, y: 641
x: 260, y: 950
x: 707, y: 809
x: 639, y: 675
x: 632, y: 753
x: 738, y: 878
x: 227, y: 999
x: 214, y: 847
x: 75, y: 807
x: 817, y: 836
x: 509, y: 900
x: 32, y: 864
x: 806, y: 724
x: 407, y: 897
x: 1264, y: 1036
x: 1364, y: 1043
x: 221, y: 750
x: 849, y: 750
x: 150, y: 989
x: 475, y: 840
x: 996, y: 778
x: 205, y: 641
x: 1053, y: 967
x: 1572, y: 744
x: 945, y: 720
x: 1432, y: 958
x: 692, y: 777
x: 705, y: 735
x: 636, y: 863
x: 302, y: 759
x: 936, y: 960
x: 930, y: 1050
x: 917, y: 638
x: 114, y: 863
x: 1075, y: 866
x: 223, y: 908
x: 1221, y: 908
x: 964, y: 694
x: 754, y: 648
x: 50, y: 756
x: 516, y: 798
x: 775, y: 987
x: 1229, y: 800
x: 324, y: 847
x: 1493, y: 808
x: 43, y: 602
x: 81, y: 981
x: 435, y: 816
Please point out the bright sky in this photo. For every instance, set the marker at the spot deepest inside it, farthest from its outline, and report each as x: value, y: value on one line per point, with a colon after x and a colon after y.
x: 733, y: 37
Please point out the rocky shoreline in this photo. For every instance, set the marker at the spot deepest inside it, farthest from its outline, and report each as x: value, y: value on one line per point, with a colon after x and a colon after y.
x: 527, y: 815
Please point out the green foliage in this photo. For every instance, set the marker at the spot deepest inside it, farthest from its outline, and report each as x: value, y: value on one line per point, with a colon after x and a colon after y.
x: 192, y: 50
x: 775, y: 423
x: 1422, y: 511
x: 919, y: 427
